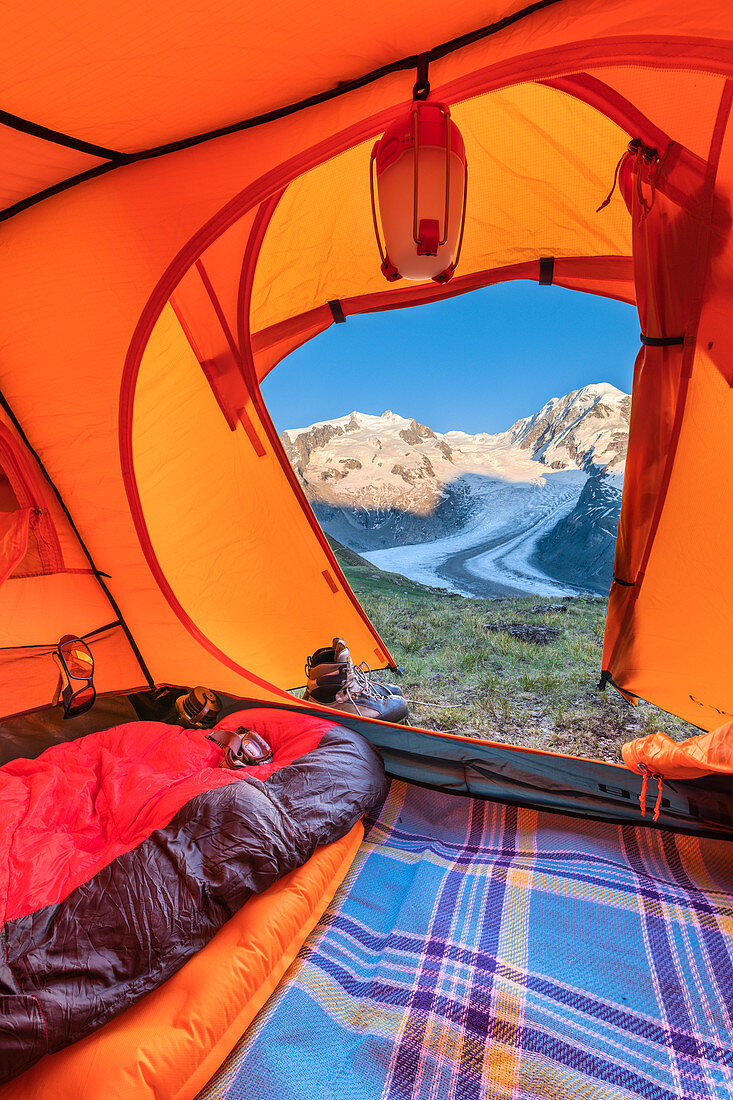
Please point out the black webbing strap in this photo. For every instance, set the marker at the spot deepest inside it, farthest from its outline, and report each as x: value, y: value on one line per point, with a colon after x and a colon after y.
x: 421, y: 88
x: 343, y: 87
x: 228, y: 740
x: 337, y: 310
x: 547, y: 270
x: 660, y: 341
x: 626, y: 584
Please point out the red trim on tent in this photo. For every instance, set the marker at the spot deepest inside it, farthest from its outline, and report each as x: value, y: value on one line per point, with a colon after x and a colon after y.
x: 609, y: 102
x: 249, y: 265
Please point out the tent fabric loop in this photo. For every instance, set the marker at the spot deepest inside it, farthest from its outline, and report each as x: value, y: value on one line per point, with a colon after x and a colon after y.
x: 337, y: 310
x: 547, y: 270
x: 421, y: 87
x: 659, y: 342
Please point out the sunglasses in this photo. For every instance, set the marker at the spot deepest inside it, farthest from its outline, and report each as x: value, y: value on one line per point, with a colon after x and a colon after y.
x: 76, y: 664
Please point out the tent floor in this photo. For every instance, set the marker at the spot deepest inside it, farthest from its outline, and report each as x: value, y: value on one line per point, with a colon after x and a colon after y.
x: 483, y: 951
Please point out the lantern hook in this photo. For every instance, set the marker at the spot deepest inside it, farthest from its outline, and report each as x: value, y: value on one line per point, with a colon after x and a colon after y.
x: 421, y: 87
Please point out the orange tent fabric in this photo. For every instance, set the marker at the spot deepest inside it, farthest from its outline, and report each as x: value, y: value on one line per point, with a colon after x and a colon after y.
x: 186, y: 190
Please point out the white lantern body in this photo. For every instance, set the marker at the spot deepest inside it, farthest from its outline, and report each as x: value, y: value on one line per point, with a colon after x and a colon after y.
x: 421, y: 191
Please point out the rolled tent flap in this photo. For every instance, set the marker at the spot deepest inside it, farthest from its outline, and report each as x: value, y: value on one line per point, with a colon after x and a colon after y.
x: 666, y: 228
x: 13, y: 540
x: 659, y: 755
x: 669, y: 193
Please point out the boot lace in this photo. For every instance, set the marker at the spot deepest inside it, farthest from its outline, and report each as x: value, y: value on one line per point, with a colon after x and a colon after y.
x: 362, y: 675
x: 357, y: 683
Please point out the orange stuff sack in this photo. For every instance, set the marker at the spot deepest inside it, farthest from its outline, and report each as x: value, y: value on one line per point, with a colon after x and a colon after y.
x: 697, y: 756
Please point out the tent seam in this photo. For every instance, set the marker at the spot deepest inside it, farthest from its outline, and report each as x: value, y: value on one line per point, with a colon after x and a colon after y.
x: 404, y: 64
x: 56, y: 137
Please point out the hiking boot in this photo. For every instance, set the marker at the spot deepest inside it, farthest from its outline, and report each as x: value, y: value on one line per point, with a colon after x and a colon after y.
x: 334, y: 681
x: 337, y: 653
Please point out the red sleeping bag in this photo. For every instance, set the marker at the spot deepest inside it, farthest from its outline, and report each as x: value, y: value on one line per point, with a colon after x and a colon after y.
x: 124, y: 852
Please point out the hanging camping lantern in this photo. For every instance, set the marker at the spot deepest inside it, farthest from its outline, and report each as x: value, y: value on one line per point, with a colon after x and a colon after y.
x: 421, y: 180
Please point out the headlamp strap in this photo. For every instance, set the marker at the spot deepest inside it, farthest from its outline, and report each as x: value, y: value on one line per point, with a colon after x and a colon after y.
x: 226, y: 739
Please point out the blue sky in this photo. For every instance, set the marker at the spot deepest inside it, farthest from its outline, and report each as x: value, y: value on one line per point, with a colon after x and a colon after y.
x: 477, y: 362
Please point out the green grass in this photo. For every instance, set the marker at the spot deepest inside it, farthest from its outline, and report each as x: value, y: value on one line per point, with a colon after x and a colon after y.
x: 493, y: 685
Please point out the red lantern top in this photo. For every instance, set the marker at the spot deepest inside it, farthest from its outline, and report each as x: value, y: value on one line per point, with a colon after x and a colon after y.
x: 431, y: 130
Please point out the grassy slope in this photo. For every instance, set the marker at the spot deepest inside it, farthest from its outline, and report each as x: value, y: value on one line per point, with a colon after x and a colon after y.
x: 499, y: 687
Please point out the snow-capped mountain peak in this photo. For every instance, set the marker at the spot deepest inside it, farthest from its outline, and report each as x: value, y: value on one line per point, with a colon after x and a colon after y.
x: 586, y: 428
x: 388, y: 480
x: 366, y: 460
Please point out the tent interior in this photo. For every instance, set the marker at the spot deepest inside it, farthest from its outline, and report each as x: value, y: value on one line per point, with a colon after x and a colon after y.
x: 185, y: 198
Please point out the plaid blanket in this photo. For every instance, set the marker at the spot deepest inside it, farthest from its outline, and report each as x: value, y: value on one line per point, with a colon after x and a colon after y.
x: 479, y: 951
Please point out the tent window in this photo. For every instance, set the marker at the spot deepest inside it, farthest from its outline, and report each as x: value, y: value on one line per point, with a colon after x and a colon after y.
x: 29, y: 545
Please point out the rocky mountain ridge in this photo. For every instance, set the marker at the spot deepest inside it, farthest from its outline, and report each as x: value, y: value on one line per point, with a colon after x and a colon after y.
x: 386, y: 481
x: 365, y: 459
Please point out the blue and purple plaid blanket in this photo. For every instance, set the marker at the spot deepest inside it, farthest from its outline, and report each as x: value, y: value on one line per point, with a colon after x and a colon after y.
x: 478, y: 951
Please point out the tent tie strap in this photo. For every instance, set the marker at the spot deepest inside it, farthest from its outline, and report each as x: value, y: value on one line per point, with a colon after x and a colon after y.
x: 660, y: 341
x: 337, y: 312
x: 547, y: 270
x: 421, y: 87
x: 609, y: 196
x: 646, y: 775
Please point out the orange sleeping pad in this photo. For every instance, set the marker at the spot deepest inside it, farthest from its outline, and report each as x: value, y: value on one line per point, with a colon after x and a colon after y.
x: 168, y: 1045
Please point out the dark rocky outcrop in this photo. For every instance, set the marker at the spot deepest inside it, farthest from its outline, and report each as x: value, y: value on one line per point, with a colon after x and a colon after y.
x: 580, y: 548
